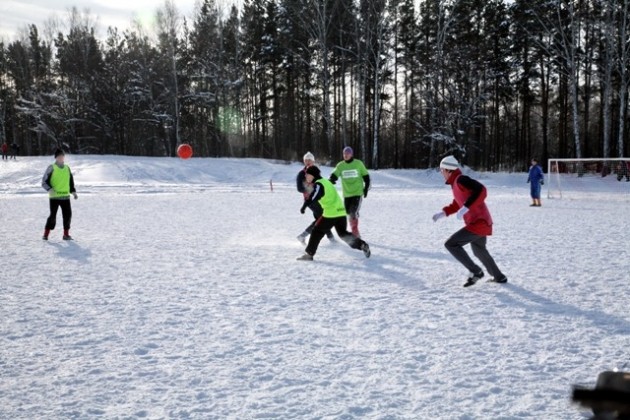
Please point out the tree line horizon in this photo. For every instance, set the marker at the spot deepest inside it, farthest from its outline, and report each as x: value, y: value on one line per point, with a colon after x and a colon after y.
x: 404, y: 82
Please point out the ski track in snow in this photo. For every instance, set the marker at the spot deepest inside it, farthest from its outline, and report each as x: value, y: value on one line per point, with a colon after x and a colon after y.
x: 181, y: 298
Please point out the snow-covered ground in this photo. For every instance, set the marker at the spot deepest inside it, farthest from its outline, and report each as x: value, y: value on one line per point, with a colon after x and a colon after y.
x: 181, y: 298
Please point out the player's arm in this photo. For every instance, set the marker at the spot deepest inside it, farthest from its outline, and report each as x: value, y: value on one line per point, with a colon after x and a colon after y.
x: 335, y: 175
x: 476, y: 188
x: 318, y: 192
x: 72, y: 189
x: 451, y: 208
x: 46, y: 179
x: 300, y: 181
x: 366, y: 178
x: 316, y: 195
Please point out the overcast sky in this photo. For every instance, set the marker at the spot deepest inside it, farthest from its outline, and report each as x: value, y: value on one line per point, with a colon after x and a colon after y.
x: 17, y: 14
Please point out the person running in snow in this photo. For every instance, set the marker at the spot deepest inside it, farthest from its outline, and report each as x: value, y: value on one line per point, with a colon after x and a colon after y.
x: 469, y: 203
x: 334, y: 215
x: 59, y: 183
x: 355, y: 183
x: 535, y: 179
x: 306, y: 189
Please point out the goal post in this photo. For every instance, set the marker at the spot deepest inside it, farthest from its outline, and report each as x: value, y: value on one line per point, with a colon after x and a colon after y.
x: 579, y: 178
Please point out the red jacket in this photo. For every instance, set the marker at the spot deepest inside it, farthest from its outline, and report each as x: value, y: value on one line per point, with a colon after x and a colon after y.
x: 472, y: 194
x: 4, y: 147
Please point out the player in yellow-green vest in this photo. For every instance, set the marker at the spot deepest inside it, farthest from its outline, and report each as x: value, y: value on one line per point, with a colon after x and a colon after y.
x: 334, y: 215
x: 59, y: 183
x: 355, y: 183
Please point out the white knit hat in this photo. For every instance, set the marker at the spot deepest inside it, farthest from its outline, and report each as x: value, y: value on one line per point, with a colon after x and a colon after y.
x: 309, y: 156
x: 450, y: 163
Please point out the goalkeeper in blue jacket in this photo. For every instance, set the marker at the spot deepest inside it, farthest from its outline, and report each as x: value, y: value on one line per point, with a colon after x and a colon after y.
x: 536, y: 179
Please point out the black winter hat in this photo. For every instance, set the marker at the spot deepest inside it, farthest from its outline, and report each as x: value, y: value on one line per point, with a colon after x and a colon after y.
x: 59, y: 152
x: 314, y: 170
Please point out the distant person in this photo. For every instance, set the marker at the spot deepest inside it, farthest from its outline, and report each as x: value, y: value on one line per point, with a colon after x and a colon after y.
x: 623, y: 169
x: 536, y: 179
x: 5, y: 151
x: 355, y: 183
x: 306, y: 189
x: 14, y: 150
x: 469, y: 204
x: 59, y: 183
x: 334, y: 215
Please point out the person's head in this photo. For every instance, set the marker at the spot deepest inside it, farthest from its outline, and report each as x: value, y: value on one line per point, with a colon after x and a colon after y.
x: 348, y: 153
x: 59, y: 155
x: 313, y: 174
x: 534, y: 161
x: 309, y: 159
x: 448, y: 165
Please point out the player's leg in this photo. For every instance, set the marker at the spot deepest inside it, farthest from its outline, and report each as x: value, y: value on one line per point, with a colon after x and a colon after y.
x: 353, y: 205
x: 480, y: 251
x: 455, y: 245
x: 66, y: 213
x: 322, y: 226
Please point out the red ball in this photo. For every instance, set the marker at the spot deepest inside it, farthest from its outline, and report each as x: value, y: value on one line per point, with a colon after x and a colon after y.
x: 184, y: 151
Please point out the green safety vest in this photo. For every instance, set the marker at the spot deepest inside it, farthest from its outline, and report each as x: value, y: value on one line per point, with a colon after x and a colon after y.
x: 331, y: 202
x: 60, y: 182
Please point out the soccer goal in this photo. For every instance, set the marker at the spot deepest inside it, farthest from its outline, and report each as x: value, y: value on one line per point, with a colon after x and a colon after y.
x: 579, y: 178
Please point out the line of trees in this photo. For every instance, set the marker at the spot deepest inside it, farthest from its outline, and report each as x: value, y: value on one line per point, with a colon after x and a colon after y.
x: 403, y: 82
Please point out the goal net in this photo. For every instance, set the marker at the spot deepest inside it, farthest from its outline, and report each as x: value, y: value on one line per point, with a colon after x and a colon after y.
x: 591, y: 177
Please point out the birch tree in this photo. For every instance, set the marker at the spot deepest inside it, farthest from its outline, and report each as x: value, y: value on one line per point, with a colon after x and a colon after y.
x: 564, y: 28
x: 168, y: 21
x: 623, y: 67
x: 606, y: 68
x: 374, y: 58
x: 5, y: 92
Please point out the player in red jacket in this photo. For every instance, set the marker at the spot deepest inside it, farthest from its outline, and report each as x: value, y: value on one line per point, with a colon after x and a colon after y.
x: 469, y: 204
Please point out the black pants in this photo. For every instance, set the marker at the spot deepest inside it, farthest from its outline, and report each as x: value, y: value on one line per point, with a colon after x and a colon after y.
x: 66, y: 213
x: 353, y: 205
x: 455, y: 245
x: 317, y: 213
x: 324, y: 225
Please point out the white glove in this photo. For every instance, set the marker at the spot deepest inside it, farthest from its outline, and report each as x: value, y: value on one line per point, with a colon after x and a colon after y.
x: 438, y: 216
x: 75, y: 195
x: 461, y: 212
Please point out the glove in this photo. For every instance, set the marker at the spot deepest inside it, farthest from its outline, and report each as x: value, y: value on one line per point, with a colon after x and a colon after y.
x: 438, y: 216
x: 461, y: 212
x: 542, y: 182
x: 303, y: 209
x: 365, y: 194
x: 75, y: 195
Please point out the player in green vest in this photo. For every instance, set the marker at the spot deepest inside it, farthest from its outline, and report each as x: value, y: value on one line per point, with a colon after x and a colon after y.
x: 305, y: 188
x: 334, y: 215
x: 355, y: 183
x: 59, y: 183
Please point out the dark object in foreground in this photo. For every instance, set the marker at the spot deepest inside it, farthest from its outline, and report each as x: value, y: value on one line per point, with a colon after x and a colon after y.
x: 610, y: 399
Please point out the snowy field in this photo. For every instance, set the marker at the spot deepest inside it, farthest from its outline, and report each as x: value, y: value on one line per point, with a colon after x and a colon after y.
x: 181, y: 298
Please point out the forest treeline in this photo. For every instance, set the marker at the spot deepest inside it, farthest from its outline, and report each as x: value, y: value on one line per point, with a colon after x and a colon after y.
x: 404, y: 82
